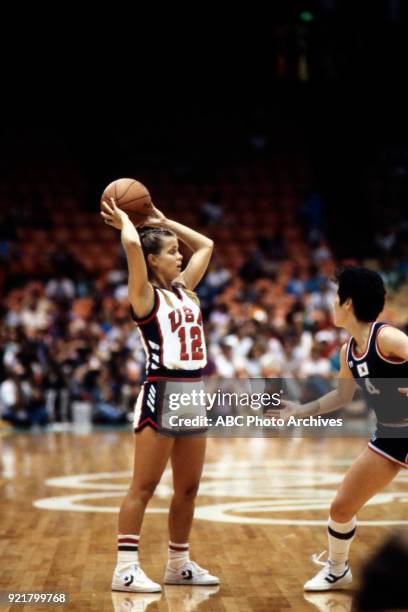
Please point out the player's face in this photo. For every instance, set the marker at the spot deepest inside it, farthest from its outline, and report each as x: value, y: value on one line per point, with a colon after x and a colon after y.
x: 339, y: 312
x: 169, y: 260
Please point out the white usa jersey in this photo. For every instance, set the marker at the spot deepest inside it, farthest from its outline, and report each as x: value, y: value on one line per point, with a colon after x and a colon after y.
x: 173, y: 336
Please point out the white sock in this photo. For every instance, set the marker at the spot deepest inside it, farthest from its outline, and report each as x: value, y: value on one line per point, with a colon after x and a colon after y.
x: 128, y: 551
x: 179, y: 555
x: 340, y: 537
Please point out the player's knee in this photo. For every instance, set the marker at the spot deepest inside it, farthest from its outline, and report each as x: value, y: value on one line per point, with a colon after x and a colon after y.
x: 144, y: 491
x: 341, y: 511
x: 188, y: 492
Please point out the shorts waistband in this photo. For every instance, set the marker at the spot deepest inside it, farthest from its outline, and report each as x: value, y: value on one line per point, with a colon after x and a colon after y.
x: 403, y: 423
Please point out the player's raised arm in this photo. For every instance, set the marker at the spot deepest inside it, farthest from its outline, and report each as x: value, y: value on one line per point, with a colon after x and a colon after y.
x: 140, y: 290
x: 201, y: 246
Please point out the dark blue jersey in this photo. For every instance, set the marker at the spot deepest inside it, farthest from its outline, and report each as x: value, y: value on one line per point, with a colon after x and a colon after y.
x: 379, y: 378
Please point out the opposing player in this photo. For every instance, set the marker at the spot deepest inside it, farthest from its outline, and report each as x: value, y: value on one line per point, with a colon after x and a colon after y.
x: 166, y: 311
x: 375, y: 352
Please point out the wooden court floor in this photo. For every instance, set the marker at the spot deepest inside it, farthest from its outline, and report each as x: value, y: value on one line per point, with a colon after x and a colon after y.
x: 260, y: 515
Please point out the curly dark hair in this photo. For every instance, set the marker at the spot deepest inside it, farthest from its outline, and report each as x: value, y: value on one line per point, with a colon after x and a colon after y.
x: 365, y: 288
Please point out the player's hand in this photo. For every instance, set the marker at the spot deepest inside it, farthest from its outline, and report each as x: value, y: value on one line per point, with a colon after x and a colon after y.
x: 403, y: 390
x: 155, y: 218
x: 113, y: 215
x: 287, y: 410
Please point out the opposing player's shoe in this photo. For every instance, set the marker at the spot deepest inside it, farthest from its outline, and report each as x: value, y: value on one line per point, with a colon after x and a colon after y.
x: 190, y: 573
x: 134, y: 580
x: 326, y: 580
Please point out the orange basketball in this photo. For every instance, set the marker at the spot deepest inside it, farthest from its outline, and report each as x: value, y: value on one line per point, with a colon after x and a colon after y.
x: 130, y: 195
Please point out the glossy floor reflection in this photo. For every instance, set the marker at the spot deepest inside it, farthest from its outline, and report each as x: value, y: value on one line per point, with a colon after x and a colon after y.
x: 260, y: 515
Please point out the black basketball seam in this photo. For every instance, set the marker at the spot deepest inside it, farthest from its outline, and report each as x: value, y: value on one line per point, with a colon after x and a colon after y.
x: 125, y: 192
x: 138, y: 197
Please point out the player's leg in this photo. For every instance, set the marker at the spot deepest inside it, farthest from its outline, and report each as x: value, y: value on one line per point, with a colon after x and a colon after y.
x: 151, y: 456
x: 187, y: 460
x: 368, y: 475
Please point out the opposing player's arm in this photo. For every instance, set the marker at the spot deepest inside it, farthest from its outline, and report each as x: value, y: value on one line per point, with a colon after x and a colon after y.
x: 333, y: 400
x: 340, y: 396
x: 202, y: 248
x: 141, y: 294
x: 393, y: 343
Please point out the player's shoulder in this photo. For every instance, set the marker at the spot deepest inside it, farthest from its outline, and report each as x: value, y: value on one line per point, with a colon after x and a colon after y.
x: 386, y: 331
x: 343, y: 348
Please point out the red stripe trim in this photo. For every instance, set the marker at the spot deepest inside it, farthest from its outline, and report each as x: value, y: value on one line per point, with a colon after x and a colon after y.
x: 348, y: 355
x: 139, y: 405
x: 381, y: 354
x: 386, y: 456
x: 179, y: 548
x: 148, y: 420
x: 161, y: 343
x: 153, y: 378
x: 134, y: 540
x: 179, y: 293
x: 147, y: 348
x: 153, y: 313
x: 359, y: 357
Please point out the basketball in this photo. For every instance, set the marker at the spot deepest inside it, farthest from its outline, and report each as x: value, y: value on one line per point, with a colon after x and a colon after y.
x: 130, y: 196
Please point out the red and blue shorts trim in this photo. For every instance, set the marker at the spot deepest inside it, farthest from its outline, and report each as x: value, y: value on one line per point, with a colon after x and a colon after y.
x: 150, y: 407
x: 392, y: 444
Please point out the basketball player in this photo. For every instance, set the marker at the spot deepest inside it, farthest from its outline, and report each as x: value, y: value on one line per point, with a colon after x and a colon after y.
x: 165, y: 308
x: 375, y: 351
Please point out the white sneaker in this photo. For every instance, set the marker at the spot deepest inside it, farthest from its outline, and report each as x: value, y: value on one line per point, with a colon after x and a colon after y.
x: 325, y: 580
x: 190, y: 573
x: 134, y: 580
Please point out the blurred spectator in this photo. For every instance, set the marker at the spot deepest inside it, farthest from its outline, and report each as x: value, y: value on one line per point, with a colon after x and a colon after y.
x: 61, y: 289
x: 22, y: 397
x: 317, y: 369
x: 266, y: 298
x: 228, y: 365
x: 312, y: 212
x: 385, y: 240
x: 64, y: 263
x: 211, y: 210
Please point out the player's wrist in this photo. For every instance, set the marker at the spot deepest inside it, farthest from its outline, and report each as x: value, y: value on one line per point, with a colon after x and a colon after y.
x: 165, y: 222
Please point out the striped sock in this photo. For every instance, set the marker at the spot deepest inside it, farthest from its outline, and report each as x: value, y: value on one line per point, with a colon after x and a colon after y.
x: 128, y: 546
x: 178, y: 555
x: 340, y: 537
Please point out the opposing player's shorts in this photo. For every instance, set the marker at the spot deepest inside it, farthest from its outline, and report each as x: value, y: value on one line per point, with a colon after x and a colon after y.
x: 391, y: 443
x: 171, y: 407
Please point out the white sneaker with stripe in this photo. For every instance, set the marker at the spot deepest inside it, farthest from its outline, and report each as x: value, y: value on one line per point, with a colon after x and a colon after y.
x: 190, y: 574
x: 134, y: 580
x: 326, y: 579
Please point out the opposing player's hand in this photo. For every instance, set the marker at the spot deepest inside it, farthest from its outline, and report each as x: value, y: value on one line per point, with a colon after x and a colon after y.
x: 287, y: 410
x: 112, y: 215
x: 156, y: 218
x: 403, y: 390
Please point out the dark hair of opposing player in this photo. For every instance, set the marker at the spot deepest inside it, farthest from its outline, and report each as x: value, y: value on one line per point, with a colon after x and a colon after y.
x: 365, y: 288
